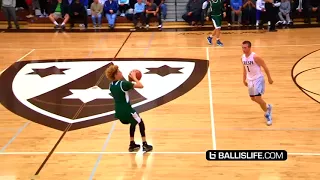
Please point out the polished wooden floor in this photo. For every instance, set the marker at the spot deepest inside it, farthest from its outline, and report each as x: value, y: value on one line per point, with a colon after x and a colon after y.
x: 183, y: 129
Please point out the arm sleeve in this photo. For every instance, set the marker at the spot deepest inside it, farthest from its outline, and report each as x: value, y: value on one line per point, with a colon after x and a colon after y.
x: 126, y: 85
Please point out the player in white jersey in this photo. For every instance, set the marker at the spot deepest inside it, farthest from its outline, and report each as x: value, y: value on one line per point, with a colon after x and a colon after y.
x: 253, y: 78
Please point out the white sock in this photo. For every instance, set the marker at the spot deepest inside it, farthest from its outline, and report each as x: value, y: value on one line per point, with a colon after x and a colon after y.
x: 210, y: 35
x: 55, y: 23
x: 62, y: 24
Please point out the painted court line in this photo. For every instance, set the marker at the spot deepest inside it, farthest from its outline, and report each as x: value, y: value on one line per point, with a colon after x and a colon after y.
x: 20, y: 58
x: 15, y: 136
x: 103, y: 149
x: 227, y: 129
x: 171, y: 47
x: 214, y: 139
x: 170, y: 153
x: 8, y: 129
x: 149, y: 44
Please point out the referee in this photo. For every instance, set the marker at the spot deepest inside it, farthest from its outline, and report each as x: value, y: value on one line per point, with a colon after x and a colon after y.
x: 271, y: 15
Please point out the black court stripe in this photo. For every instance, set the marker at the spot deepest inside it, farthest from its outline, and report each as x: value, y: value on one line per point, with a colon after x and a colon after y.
x: 53, y: 149
x: 125, y: 41
x: 115, y: 57
x: 59, y: 140
x: 76, y: 115
x: 295, y: 76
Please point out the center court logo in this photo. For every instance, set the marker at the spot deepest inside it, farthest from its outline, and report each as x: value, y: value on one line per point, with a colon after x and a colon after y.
x: 56, y: 93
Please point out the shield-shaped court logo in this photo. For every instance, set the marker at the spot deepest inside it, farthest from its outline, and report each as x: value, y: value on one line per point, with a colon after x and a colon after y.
x: 57, y: 93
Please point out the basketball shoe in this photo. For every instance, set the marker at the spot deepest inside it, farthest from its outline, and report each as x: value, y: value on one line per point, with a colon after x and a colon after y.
x: 268, y: 115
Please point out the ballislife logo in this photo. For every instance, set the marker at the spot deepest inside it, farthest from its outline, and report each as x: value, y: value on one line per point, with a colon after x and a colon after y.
x: 246, y: 155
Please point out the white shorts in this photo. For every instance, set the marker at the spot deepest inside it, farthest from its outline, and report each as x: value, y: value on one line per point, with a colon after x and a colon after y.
x: 256, y: 87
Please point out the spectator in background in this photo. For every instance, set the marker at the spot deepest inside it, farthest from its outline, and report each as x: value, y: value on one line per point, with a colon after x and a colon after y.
x: 67, y: 3
x: 84, y: 3
x: 193, y: 15
x: 152, y: 10
x: 236, y: 6
x: 163, y: 9
x: 132, y: 3
x: 110, y: 8
x: 271, y: 15
x: 78, y: 12
x: 43, y: 8
x: 227, y: 6
x: 284, y: 10
x: 204, y: 11
x: 96, y: 13
x: 9, y: 11
x: 58, y: 11
x: 139, y: 13
x: 314, y: 8
x: 261, y: 11
x: 123, y: 7
x: 249, y: 12
x: 302, y: 7
x: 30, y: 9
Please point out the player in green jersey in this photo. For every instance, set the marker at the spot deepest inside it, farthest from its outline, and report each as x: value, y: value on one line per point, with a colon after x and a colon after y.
x: 123, y: 111
x: 215, y: 12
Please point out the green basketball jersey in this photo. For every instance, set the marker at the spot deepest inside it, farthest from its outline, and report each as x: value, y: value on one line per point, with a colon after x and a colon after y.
x: 215, y: 8
x: 119, y: 91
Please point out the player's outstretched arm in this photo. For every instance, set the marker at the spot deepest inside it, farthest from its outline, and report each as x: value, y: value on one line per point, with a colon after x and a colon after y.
x: 261, y: 63
x: 137, y: 84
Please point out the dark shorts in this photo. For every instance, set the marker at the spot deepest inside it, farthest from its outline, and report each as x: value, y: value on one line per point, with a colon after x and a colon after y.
x: 217, y: 21
x: 128, y: 117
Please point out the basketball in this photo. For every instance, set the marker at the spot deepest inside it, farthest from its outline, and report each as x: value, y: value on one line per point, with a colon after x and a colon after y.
x: 138, y: 75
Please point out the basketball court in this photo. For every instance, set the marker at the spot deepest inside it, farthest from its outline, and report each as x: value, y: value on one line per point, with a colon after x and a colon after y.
x: 202, y: 106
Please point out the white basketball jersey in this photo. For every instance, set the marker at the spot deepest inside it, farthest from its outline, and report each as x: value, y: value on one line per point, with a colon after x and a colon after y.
x: 252, y: 68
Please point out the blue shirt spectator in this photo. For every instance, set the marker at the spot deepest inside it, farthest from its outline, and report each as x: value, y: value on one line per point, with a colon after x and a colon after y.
x: 85, y: 3
x: 139, y: 8
x: 236, y: 4
x: 110, y: 5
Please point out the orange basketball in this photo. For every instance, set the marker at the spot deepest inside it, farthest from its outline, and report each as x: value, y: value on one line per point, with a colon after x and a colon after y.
x: 138, y: 75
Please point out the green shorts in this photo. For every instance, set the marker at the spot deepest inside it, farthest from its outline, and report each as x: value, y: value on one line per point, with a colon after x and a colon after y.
x: 217, y: 21
x: 128, y: 117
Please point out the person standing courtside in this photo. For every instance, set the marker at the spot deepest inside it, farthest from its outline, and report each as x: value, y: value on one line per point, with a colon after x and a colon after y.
x: 9, y: 10
x: 271, y: 15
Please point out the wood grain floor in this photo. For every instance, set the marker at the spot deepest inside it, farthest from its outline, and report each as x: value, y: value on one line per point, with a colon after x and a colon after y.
x: 181, y: 130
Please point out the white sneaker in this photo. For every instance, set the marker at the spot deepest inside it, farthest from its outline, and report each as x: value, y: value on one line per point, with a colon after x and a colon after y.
x: 147, y: 26
x: 160, y: 26
x: 30, y: 16
x: 122, y: 14
x: 268, y: 115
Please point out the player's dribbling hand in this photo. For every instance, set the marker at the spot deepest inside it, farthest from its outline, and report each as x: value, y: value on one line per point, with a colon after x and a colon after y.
x: 270, y: 81
x: 224, y: 14
x: 207, y: 18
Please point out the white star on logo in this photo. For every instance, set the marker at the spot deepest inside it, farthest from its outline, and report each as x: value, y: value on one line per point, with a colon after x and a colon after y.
x: 90, y: 94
